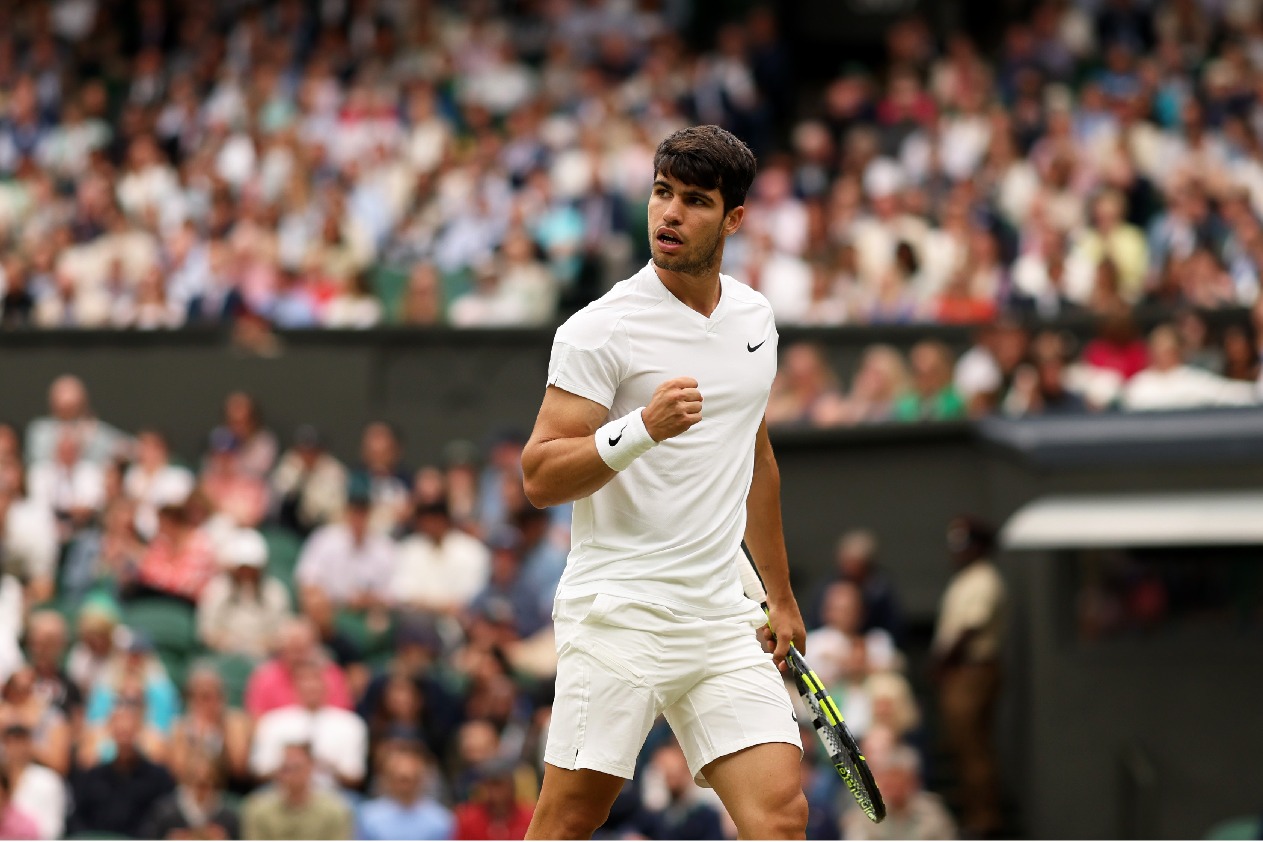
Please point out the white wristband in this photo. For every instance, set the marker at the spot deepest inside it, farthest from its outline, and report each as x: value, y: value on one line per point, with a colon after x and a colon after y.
x: 623, y: 440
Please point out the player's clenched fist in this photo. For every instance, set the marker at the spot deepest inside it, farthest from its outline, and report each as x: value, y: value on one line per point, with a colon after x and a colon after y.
x: 676, y: 406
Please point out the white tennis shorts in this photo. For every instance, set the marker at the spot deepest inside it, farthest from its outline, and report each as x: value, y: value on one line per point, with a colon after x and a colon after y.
x: 621, y: 663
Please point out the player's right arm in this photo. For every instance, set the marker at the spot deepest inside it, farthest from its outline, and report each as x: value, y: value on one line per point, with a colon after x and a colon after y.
x: 561, y: 462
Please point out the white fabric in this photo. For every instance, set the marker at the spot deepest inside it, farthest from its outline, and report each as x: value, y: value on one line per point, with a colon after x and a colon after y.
x: 624, y: 440
x: 28, y: 541
x: 609, y: 693
x: 82, y: 486
x: 338, y: 740
x: 631, y: 537
x: 450, y: 572
x: 41, y: 794
x: 10, y: 625
x: 169, y: 485
x: 333, y: 562
x: 974, y: 601
x: 1184, y: 388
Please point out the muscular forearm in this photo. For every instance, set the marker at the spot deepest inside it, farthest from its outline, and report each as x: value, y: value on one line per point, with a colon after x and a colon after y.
x: 764, y: 534
x: 562, y: 470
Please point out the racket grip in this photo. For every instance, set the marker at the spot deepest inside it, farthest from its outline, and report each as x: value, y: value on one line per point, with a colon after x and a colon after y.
x: 751, y: 583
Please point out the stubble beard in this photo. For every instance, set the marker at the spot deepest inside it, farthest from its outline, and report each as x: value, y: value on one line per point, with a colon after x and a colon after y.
x: 700, y: 264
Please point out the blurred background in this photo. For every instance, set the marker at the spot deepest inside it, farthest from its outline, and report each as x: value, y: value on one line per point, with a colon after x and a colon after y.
x: 278, y: 280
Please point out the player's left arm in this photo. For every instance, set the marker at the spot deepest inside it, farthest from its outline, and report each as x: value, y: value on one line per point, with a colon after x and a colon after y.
x: 765, y: 539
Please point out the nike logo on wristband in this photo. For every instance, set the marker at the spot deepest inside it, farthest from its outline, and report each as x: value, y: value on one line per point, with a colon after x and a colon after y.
x: 755, y: 348
x: 616, y: 439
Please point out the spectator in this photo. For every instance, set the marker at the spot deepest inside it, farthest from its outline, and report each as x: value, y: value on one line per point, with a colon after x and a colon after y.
x: 506, y: 599
x: 404, y: 810
x: 14, y: 823
x: 1042, y: 388
x: 932, y: 397
x: 1117, y: 347
x: 439, y: 569
x: 272, y: 683
x: 309, y: 484
x: 805, y: 392
x: 115, y: 796
x: 47, y: 726
x: 46, y: 643
x: 966, y: 653
x: 255, y: 446
x: 493, y: 810
x: 239, y: 497
x: 832, y: 642
x: 153, y: 482
x: 11, y: 613
x: 180, y: 560
x: 294, y: 809
x: 95, y: 647
x: 209, y: 728
x: 196, y: 810
x: 882, y: 377
x: 1168, y: 383
x: 69, y: 411
x: 855, y: 561
x: 242, y: 609
x: 383, y: 475
x: 28, y: 543
x: 135, y: 674
x: 911, y: 812
x: 338, y: 739
x: 1241, y: 362
x: 71, y: 487
x: 685, y: 815
x: 37, y: 791
x: 347, y: 563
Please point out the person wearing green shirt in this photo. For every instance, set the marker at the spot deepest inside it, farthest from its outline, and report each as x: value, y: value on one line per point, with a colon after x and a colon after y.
x: 932, y: 396
x: 293, y: 809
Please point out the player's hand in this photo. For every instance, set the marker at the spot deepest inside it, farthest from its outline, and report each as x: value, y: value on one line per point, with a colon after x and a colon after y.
x: 787, y: 626
x: 676, y: 406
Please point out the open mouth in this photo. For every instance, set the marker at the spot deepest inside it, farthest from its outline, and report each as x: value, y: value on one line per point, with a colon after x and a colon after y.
x: 668, y: 239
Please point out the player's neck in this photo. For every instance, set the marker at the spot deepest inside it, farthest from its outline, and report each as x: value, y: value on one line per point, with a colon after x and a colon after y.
x: 697, y: 292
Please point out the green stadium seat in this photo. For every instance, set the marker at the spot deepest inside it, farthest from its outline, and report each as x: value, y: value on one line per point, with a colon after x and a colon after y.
x: 1242, y: 827
x: 284, y: 548
x: 235, y: 672
x: 371, y: 643
x: 170, y: 624
x: 390, y: 285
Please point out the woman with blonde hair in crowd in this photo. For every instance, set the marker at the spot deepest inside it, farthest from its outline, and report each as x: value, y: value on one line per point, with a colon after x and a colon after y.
x: 882, y: 377
x: 805, y: 392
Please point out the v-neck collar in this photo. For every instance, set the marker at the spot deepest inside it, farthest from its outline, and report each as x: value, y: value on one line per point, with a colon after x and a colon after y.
x: 707, y: 322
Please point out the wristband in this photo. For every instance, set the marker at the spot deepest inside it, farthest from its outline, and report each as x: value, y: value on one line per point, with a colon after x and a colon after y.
x: 623, y: 440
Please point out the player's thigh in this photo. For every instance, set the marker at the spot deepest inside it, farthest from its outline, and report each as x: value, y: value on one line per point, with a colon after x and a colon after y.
x: 727, y: 713
x: 761, y: 787
x: 573, y: 802
x: 603, y: 708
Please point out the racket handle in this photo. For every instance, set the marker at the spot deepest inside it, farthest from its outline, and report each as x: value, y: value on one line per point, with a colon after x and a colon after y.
x: 750, y: 581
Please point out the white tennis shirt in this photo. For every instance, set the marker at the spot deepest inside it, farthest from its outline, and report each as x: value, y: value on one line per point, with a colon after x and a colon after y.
x: 668, y: 529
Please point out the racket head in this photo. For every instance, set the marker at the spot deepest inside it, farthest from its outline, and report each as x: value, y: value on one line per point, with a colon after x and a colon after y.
x: 844, y: 752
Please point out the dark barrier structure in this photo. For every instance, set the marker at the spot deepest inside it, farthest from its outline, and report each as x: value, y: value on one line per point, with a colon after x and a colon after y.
x: 903, y: 482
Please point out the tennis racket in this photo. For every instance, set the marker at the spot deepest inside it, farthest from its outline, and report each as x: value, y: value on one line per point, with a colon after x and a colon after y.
x: 844, y: 753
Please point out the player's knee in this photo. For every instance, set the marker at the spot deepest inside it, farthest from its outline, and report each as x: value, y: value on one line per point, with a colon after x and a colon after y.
x: 791, y: 820
x: 571, y: 817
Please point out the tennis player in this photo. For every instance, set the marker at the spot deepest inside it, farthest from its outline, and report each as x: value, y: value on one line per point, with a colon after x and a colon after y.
x: 652, y: 422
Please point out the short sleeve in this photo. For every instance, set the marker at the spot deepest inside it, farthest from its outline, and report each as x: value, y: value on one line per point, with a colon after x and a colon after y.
x: 593, y: 373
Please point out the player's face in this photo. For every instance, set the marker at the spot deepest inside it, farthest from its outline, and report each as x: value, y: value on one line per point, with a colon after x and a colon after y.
x: 687, y: 226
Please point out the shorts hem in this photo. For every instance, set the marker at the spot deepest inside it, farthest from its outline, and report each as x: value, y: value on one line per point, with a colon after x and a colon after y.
x: 735, y: 746
x: 617, y: 770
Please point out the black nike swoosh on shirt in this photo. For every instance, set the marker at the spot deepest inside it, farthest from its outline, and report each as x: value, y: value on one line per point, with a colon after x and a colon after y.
x: 754, y: 348
x: 616, y: 439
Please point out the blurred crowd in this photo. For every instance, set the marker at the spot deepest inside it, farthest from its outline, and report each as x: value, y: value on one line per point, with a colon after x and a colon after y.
x: 262, y: 641
x: 359, y: 162
x: 1016, y: 370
